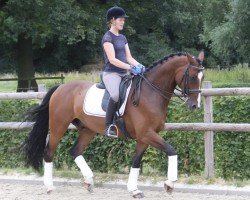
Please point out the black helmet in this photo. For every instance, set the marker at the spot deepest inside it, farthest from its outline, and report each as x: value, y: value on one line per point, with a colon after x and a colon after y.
x: 115, y: 12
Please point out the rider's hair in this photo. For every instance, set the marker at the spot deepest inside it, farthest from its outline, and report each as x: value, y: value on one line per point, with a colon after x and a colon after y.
x: 109, y: 23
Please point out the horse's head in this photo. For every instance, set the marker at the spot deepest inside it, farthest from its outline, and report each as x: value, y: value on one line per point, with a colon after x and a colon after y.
x: 189, y: 79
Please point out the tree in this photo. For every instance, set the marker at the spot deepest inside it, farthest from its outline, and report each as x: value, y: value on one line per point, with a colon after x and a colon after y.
x: 64, y: 35
x: 228, y: 35
x: 32, y: 23
x: 159, y: 27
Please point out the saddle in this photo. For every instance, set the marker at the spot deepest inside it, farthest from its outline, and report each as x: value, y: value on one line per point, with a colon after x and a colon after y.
x: 97, y: 97
x: 124, y: 85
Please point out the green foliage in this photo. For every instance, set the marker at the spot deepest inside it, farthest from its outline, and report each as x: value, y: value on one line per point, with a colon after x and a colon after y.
x: 14, y: 110
x: 214, y: 14
x: 228, y: 35
x: 11, y: 140
x: 42, y: 20
x: 232, y: 150
x: 161, y: 27
x: 232, y: 153
x: 150, y: 48
x: 66, y: 34
x: 56, y: 28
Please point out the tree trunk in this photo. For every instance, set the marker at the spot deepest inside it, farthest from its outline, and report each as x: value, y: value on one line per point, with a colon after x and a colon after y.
x: 25, y: 70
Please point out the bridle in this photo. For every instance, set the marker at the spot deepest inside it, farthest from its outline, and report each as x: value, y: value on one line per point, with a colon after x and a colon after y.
x: 186, y: 78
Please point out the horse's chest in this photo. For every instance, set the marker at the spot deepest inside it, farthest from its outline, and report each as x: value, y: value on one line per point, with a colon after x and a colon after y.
x: 161, y: 125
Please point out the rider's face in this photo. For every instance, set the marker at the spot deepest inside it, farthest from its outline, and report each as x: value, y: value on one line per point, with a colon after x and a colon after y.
x: 119, y: 23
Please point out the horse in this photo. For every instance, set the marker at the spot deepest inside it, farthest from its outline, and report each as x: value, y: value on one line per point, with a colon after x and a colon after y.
x: 63, y: 104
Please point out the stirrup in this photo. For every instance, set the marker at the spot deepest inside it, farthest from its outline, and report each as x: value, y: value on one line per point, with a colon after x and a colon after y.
x: 107, y: 131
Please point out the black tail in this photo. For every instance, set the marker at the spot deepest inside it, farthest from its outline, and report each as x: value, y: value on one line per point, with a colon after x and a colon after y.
x: 35, y: 143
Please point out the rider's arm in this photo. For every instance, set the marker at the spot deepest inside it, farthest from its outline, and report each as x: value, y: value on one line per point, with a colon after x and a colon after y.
x: 110, y: 52
x: 129, y: 57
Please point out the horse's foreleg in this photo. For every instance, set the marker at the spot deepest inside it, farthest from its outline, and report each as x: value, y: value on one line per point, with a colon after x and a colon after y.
x: 157, y: 141
x: 135, y: 169
x: 172, y: 173
x: 85, y: 137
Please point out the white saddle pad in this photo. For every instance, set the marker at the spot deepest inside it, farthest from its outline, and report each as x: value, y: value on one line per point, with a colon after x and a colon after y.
x: 92, y: 104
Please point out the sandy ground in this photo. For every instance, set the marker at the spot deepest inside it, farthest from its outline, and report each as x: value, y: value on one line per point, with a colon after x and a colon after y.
x: 18, y: 191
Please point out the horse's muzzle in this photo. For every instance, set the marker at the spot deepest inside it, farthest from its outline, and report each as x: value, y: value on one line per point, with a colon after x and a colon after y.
x: 192, y: 105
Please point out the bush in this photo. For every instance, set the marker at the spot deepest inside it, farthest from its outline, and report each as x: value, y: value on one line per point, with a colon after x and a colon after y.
x: 232, y: 150
x: 11, y: 140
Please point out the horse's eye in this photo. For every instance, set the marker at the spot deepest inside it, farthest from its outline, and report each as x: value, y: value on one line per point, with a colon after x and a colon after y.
x: 193, y: 78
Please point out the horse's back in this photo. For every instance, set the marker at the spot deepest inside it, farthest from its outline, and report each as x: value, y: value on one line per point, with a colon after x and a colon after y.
x: 77, y: 84
x: 69, y: 95
x: 73, y: 87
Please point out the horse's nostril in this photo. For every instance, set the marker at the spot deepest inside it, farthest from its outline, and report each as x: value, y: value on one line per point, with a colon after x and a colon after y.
x: 194, y: 106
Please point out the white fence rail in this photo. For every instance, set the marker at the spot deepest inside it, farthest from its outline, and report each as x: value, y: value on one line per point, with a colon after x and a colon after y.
x: 208, y: 126
x: 168, y: 126
x: 204, y: 92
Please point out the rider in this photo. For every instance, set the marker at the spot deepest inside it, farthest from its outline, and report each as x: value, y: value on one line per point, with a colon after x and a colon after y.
x: 118, y: 61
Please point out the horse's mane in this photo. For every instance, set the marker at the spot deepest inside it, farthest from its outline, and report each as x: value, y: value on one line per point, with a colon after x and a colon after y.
x: 165, y: 59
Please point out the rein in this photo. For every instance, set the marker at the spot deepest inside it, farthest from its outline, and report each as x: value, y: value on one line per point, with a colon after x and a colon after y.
x: 185, y: 92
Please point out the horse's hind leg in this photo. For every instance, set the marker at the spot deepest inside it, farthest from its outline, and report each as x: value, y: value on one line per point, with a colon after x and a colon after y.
x: 57, y: 130
x: 85, y: 137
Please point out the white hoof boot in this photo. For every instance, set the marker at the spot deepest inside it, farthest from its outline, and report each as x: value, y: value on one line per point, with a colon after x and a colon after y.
x: 169, y: 186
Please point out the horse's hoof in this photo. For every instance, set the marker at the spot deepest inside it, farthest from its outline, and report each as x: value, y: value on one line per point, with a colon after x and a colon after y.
x: 137, y: 194
x: 169, y: 186
x: 50, y: 189
x: 88, y: 187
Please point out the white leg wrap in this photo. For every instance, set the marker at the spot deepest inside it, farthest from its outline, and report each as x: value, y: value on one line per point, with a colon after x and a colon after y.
x: 172, y: 168
x: 85, y: 169
x: 47, y: 178
x: 132, y: 179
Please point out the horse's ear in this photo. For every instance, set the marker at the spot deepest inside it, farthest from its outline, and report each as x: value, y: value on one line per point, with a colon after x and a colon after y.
x: 190, y: 57
x: 201, y: 56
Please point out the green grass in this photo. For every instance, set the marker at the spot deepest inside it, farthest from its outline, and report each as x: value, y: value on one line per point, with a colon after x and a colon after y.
x: 238, y: 76
x: 10, y: 86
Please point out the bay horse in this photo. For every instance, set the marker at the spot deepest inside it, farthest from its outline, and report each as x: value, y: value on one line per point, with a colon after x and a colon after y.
x: 63, y: 105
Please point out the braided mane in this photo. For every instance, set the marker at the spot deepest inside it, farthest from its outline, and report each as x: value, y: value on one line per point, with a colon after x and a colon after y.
x: 165, y: 59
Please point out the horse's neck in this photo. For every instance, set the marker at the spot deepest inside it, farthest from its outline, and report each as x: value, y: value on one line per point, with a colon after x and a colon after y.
x: 164, y: 74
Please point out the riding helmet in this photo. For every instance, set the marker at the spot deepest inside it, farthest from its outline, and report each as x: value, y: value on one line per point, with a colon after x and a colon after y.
x: 115, y: 12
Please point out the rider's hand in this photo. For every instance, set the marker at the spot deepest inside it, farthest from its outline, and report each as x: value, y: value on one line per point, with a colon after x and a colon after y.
x: 143, y: 68
x: 138, y: 69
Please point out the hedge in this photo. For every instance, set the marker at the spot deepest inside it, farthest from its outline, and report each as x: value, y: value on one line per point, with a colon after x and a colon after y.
x: 232, y: 150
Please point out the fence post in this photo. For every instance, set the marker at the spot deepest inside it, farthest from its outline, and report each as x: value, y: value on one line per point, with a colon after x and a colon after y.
x: 42, y: 88
x: 62, y: 78
x: 209, y: 135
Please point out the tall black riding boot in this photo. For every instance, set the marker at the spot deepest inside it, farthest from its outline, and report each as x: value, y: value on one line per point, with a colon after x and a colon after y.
x: 111, y: 130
